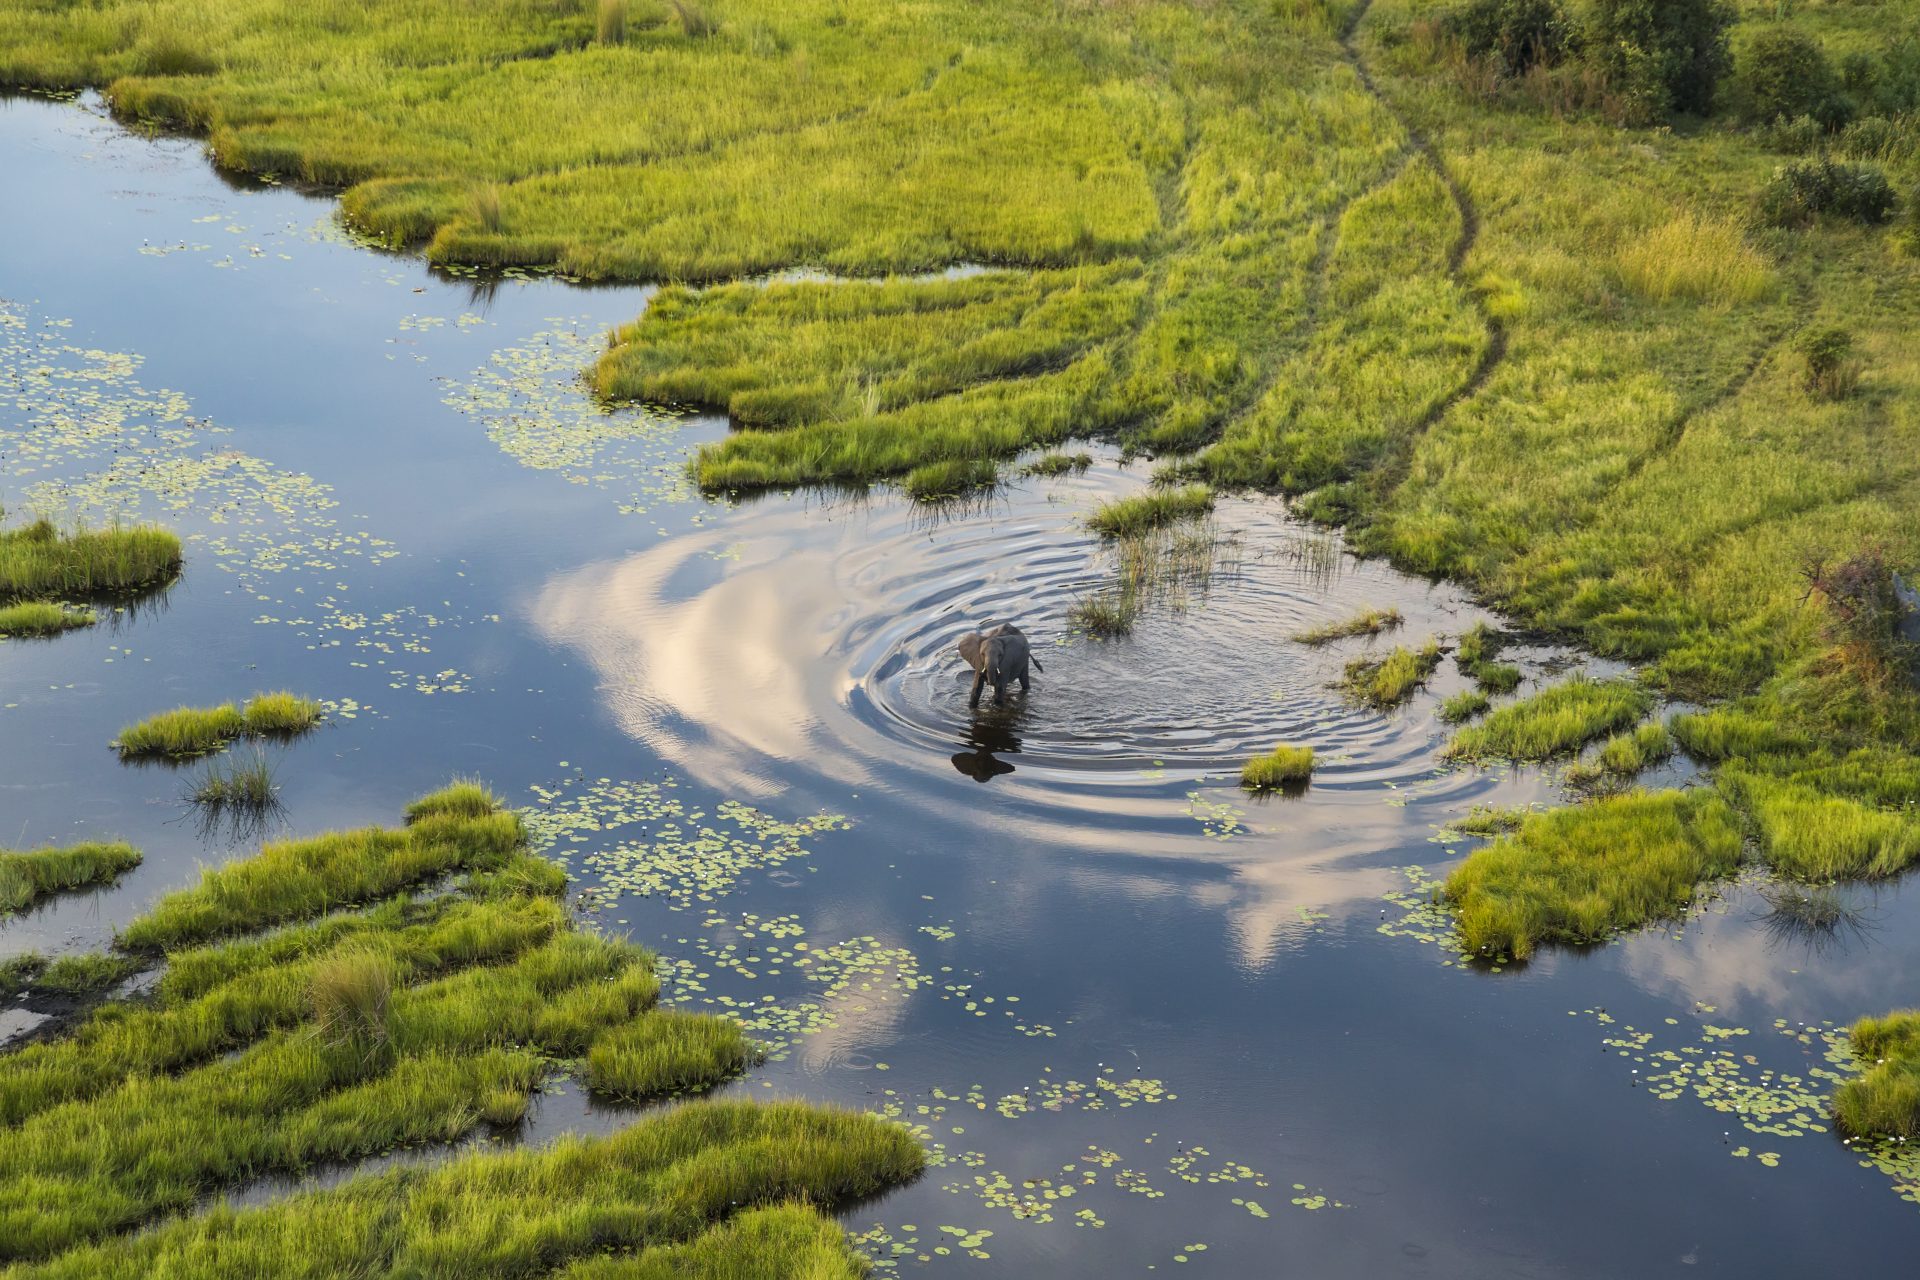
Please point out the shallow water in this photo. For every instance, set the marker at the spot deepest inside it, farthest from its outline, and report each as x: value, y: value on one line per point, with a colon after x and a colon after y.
x: 1056, y: 935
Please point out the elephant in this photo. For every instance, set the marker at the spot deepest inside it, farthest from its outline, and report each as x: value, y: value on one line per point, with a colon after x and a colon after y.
x: 998, y: 654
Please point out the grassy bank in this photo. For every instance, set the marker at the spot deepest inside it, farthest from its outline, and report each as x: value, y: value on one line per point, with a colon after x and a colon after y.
x: 321, y: 1002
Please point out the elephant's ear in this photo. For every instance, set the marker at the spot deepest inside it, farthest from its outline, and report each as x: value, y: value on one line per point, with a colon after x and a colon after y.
x: 969, y: 646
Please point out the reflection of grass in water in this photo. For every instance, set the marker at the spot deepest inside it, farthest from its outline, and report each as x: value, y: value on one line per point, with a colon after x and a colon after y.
x: 1156, y: 566
x: 1367, y: 622
x: 294, y: 1024
x: 26, y: 877
x: 1816, y: 917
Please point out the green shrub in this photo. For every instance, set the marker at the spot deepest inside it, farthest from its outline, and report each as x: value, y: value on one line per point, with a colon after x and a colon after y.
x: 1661, y: 56
x: 1877, y: 138
x: 1283, y: 766
x: 1830, y: 369
x: 1782, y: 74
x: 1795, y: 137
x: 1803, y: 190
x: 1516, y: 35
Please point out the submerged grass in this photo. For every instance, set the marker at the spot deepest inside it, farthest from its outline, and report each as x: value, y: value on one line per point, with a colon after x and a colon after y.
x: 41, y: 618
x: 28, y: 876
x: 1284, y: 766
x: 195, y: 731
x: 1579, y: 875
x: 1367, y: 622
x: 38, y: 561
x: 314, y: 1008
x: 1387, y: 682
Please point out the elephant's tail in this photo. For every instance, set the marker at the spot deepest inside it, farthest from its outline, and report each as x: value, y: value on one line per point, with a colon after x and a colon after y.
x: 1036, y: 662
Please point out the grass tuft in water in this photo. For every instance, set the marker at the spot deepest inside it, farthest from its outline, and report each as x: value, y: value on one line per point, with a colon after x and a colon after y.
x: 38, y: 561
x: 39, y: 618
x: 1367, y: 622
x: 1464, y: 706
x: 1884, y: 1101
x: 240, y: 787
x: 1105, y: 614
x: 28, y: 876
x: 1384, y: 683
x: 464, y: 799
x: 1284, y: 766
x: 1557, y: 720
x: 950, y: 478
x: 1143, y: 512
x: 667, y: 1051
x: 1579, y: 875
x: 196, y: 731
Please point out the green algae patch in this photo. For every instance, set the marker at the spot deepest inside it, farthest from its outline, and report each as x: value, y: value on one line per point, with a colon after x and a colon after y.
x: 1284, y: 766
x: 42, y: 618
x: 1557, y: 720
x: 334, y: 998
x: 1581, y: 875
x: 1367, y: 622
x: 1385, y: 683
x: 38, y: 561
x: 1884, y: 1100
x: 27, y: 877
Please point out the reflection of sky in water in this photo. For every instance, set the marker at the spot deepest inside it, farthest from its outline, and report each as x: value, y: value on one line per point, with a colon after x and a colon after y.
x: 1105, y: 975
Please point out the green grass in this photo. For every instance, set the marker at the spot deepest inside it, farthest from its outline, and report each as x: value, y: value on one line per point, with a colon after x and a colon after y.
x: 1884, y: 1100
x: 26, y: 877
x: 1387, y: 682
x: 1464, y: 706
x: 41, y: 618
x: 1621, y: 758
x: 666, y: 1051
x: 1559, y: 719
x: 196, y: 731
x: 1579, y: 875
x: 1104, y: 614
x: 239, y: 787
x: 668, y: 1196
x: 950, y: 478
x: 1479, y: 647
x: 74, y: 975
x: 38, y: 561
x: 1143, y: 512
x: 1808, y: 832
x: 321, y: 1002
x: 1367, y: 622
x: 1283, y: 766
x: 463, y: 798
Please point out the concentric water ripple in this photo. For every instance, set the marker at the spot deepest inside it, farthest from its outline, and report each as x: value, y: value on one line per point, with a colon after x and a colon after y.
x: 822, y: 636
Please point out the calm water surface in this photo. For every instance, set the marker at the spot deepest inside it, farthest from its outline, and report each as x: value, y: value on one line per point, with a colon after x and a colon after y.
x: 1146, y: 1021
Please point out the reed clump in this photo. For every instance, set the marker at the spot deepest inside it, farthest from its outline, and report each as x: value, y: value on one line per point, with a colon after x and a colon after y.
x: 1884, y: 1100
x: 39, y: 562
x: 1156, y: 509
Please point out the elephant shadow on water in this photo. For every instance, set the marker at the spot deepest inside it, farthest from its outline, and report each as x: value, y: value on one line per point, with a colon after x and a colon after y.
x: 990, y: 735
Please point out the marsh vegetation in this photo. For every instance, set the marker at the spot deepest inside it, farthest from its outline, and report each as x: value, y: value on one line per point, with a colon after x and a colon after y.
x: 195, y: 731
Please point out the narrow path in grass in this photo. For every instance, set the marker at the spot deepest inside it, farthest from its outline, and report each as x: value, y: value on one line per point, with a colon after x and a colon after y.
x: 1496, y: 349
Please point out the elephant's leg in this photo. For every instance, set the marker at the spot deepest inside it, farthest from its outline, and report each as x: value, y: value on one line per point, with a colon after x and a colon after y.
x: 1025, y: 684
x: 979, y: 679
x: 999, y: 689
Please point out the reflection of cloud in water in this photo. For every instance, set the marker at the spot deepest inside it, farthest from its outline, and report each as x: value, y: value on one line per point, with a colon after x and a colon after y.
x: 817, y: 652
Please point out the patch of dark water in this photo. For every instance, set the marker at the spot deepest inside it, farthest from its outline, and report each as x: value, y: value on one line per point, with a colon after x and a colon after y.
x: 1134, y: 1012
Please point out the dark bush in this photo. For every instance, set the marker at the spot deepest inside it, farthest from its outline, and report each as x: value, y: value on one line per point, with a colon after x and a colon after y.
x: 1795, y: 137
x: 1516, y: 34
x: 1661, y: 56
x: 1863, y: 604
x: 1782, y: 74
x: 1803, y: 190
